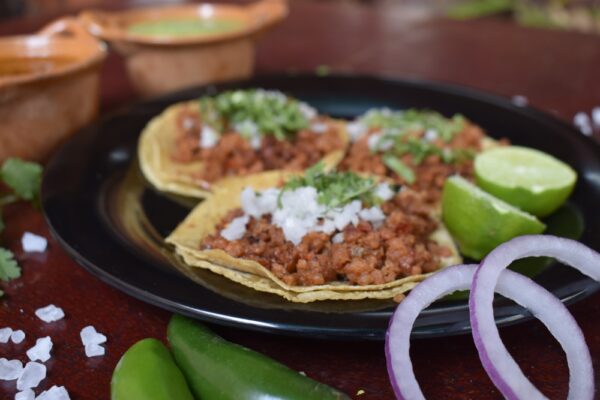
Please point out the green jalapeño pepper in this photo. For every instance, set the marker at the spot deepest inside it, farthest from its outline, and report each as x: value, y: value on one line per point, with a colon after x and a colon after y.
x: 219, y: 370
x: 147, y: 372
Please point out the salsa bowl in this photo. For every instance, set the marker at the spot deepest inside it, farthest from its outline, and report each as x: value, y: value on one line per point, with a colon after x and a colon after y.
x: 172, y: 47
x: 49, y: 88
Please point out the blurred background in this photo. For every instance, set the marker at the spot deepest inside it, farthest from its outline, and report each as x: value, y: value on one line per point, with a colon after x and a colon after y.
x: 580, y: 15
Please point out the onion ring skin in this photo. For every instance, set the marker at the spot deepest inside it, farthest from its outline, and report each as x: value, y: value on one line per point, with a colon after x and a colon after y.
x: 511, y: 284
x: 494, y: 356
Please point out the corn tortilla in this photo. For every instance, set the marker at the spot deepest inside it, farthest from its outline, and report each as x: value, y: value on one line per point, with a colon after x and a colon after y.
x: 157, y: 144
x: 202, y: 221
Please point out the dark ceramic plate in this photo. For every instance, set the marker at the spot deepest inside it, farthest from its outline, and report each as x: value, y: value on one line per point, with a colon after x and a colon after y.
x: 112, y: 223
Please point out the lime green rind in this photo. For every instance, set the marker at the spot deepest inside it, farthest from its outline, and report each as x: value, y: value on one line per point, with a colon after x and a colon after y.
x: 529, y: 179
x: 479, y: 222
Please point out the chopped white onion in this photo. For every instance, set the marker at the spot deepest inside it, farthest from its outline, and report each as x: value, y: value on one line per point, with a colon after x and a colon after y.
x: 208, y: 137
x: 521, y: 289
x: 494, y: 356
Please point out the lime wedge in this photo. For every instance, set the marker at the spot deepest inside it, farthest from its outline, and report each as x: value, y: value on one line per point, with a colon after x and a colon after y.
x: 528, y: 179
x: 479, y: 221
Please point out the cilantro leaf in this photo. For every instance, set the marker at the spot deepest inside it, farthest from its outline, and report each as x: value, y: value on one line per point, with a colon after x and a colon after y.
x: 335, y: 189
x: 9, y: 269
x: 22, y: 177
x: 396, y: 165
x: 273, y: 113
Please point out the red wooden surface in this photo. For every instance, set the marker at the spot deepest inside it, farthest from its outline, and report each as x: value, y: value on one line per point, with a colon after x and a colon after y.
x: 556, y: 71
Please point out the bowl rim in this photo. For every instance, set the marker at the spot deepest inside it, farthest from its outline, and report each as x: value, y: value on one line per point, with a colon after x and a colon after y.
x: 257, y: 17
x: 64, y: 30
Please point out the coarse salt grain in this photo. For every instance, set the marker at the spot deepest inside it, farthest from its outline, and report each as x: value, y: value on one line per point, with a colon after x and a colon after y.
x: 26, y: 394
x: 520, y: 101
x: 54, y: 393
x: 33, y: 243
x: 582, y: 121
x: 89, y: 335
x: 17, y: 336
x: 5, y: 334
x: 50, y: 313
x: 596, y: 116
x: 32, y: 375
x: 10, y: 369
x: 41, y: 350
x: 94, y: 350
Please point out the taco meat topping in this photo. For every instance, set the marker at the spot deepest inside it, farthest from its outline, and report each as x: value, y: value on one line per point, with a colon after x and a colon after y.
x: 248, y: 131
x: 420, y: 149
x: 326, y: 227
x: 399, y: 247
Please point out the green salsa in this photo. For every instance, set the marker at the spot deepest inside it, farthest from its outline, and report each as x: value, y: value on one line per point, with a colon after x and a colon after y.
x: 184, y: 27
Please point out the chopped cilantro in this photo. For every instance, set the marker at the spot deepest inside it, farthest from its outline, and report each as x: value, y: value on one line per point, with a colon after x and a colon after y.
x: 270, y: 112
x: 22, y: 177
x: 396, y: 165
x: 9, y: 269
x: 335, y: 189
x: 398, y: 123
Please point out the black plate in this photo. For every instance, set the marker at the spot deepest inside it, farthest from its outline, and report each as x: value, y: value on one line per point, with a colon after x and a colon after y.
x: 112, y: 223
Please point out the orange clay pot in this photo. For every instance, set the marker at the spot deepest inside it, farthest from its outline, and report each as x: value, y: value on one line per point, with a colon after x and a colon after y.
x: 49, y: 88
x: 159, y: 64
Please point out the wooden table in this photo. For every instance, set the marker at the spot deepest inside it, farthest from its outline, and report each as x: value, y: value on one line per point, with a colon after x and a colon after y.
x: 556, y: 71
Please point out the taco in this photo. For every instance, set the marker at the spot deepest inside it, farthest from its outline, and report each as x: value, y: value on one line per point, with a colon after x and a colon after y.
x: 320, y: 236
x: 194, y: 147
x: 416, y: 148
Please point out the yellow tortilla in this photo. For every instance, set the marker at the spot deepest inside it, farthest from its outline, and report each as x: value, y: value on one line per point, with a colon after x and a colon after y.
x: 202, y: 221
x: 157, y: 143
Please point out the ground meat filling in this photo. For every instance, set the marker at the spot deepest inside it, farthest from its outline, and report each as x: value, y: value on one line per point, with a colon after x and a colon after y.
x: 234, y: 155
x: 400, y: 247
x: 430, y: 174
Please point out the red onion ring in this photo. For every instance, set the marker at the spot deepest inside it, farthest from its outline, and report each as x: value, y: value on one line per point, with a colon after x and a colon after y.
x: 510, y: 284
x: 499, y: 365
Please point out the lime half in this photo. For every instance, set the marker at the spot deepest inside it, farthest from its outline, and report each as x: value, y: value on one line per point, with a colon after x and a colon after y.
x: 479, y: 221
x: 526, y: 178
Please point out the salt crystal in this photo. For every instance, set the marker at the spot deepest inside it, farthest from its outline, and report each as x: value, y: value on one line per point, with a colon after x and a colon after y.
x: 10, y: 369
x: 596, y: 116
x: 50, y: 313
x: 33, y: 243
x: 89, y: 335
x: 582, y: 121
x: 94, y: 350
x: 32, y: 375
x: 54, y: 393
x: 41, y: 350
x: 5, y: 334
x: 17, y: 336
x: 26, y: 394
x: 520, y: 101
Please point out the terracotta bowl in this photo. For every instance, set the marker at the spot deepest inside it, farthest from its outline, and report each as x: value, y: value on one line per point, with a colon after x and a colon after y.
x: 49, y: 88
x: 159, y: 64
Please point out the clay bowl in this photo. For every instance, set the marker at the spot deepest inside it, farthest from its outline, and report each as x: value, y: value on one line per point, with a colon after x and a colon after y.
x: 159, y: 63
x: 49, y: 88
